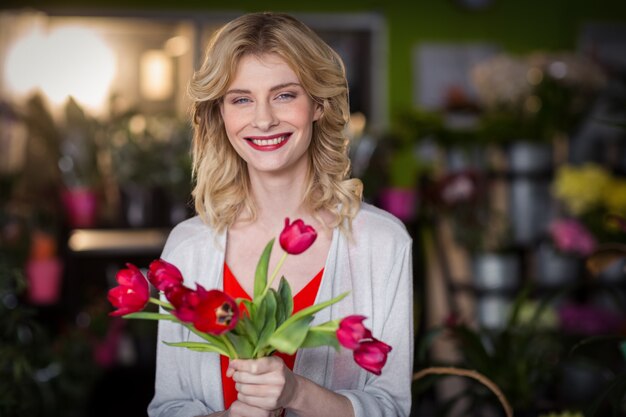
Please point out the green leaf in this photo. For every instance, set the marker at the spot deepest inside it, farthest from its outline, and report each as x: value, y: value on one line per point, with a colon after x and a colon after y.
x: 199, y: 347
x: 242, y: 345
x: 259, y: 318
x: 214, y: 340
x: 250, y: 306
x: 285, y: 301
x: 614, y: 392
x: 473, y: 348
x: 150, y: 316
x: 260, y: 276
x: 309, y: 311
x: 270, y: 320
x: 324, y: 334
x: 425, y: 343
x: 288, y: 338
x: 246, y: 328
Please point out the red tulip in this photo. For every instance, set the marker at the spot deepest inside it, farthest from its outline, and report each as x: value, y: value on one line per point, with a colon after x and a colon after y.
x: 297, y: 237
x: 185, y: 302
x: 164, y: 275
x: 132, y: 294
x: 216, y: 313
x: 352, y: 331
x: 372, y: 355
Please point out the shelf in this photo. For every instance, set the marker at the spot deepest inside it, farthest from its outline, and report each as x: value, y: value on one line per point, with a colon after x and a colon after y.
x: 117, y: 241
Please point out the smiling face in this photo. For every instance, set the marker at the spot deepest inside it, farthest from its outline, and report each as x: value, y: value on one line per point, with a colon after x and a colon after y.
x: 268, y: 116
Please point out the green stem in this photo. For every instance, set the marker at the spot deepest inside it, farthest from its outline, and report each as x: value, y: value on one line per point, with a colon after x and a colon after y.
x: 275, y: 273
x: 163, y: 304
x: 229, y: 345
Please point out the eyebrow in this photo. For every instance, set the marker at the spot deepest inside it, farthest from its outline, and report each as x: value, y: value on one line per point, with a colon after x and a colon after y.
x: 276, y: 87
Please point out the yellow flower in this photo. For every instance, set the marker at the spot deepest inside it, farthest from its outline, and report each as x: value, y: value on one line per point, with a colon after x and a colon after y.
x: 615, y: 196
x: 581, y: 188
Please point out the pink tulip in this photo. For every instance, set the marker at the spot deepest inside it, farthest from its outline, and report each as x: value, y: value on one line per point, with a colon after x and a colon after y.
x: 297, y: 237
x: 369, y: 353
x: 164, y: 275
x: 352, y: 331
x: 216, y: 313
x: 132, y: 294
x: 372, y: 355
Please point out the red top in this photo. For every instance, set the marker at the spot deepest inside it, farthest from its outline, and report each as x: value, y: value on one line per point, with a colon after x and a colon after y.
x: 303, y: 299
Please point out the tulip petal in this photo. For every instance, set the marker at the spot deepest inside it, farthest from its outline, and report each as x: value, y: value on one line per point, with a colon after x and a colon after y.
x: 297, y: 237
x: 216, y: 313
x: 351, y: 331
x: 164, y: 275
x: 132, y: 294
x: 372, y: 355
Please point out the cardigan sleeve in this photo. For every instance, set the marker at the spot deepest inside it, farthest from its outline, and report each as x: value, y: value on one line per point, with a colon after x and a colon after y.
x: 176, y: 390
x: 389, y: 394
x: 172, y: 396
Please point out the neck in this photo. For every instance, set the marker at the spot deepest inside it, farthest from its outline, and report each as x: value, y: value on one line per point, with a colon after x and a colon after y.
x: 278, y: 197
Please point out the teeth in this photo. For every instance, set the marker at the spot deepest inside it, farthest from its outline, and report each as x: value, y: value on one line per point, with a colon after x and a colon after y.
x: 269, y: 142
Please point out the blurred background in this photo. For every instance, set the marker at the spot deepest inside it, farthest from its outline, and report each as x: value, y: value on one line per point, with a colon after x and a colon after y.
x: 494, y: 129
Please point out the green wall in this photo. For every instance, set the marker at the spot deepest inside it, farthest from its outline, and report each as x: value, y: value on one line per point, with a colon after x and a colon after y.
x: 517, y: 25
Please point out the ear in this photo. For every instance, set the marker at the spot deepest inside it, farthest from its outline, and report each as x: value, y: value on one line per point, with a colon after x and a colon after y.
x: 319, y: 110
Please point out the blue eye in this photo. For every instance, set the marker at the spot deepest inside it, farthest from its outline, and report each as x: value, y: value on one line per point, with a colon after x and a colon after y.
x: 286, y: 96
x: 241, y: 100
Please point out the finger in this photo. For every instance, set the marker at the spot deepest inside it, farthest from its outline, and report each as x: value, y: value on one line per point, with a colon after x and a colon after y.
x: 258, y: 390
x: 271, y: 378
x: 257, y: 366
x: 241, y: 409
x: 265, y: 403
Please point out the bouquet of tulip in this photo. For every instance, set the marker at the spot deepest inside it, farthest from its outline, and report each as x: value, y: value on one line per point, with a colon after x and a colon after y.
x: 246, y: 328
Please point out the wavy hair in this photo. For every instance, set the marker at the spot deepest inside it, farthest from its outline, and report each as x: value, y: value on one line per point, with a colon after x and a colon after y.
x: 222, y: 188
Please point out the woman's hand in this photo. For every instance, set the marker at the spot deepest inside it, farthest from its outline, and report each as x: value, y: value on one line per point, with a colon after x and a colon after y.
x: 265, y: 383
x: 241, y: 409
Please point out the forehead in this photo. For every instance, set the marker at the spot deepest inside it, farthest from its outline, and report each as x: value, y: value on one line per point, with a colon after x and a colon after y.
x: 263, y: 68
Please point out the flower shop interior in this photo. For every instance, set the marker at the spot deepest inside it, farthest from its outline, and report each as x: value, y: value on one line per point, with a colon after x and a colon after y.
x: 495, y: 130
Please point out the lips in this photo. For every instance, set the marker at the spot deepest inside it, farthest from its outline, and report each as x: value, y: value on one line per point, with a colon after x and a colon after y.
x: 268, y: 143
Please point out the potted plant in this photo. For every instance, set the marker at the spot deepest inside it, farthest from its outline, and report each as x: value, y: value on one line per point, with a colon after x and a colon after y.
x: 462, y: 201
x: 151, y: 166
x: 528, y: 101
x: 595, y: 197
x: 403, y: 164
x: 559, y: 259
x: 79, y: 166
x: 521, y: 359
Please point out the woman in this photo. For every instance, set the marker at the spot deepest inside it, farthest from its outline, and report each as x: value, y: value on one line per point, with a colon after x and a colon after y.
x: 270, y: 108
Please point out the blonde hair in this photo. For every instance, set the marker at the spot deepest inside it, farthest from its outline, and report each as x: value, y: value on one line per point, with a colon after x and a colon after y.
x: 222, y: 188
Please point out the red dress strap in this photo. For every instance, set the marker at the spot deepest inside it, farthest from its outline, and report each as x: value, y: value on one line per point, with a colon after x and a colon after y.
x: 303, y: 299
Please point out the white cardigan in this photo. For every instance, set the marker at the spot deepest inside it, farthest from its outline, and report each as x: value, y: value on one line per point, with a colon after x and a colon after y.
x: 375, y: 266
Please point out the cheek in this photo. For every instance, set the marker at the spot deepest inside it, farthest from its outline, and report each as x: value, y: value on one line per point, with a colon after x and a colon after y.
x: 232, y: 122
x: 303, y: 116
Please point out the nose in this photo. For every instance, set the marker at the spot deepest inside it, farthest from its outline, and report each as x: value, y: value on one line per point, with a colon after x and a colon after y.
x: 264, y: 116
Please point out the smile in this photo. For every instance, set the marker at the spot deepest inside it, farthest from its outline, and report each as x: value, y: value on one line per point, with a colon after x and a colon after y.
x: 268, y: 143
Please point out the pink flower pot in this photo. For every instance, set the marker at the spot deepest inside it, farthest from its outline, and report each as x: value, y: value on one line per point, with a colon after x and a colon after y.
x: 401, y: 202
x: 81, y: 207
x: 44, y: 280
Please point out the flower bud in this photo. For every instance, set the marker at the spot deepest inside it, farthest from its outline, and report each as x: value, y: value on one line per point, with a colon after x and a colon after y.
x: 297, y: 237
x: 132, y: 294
